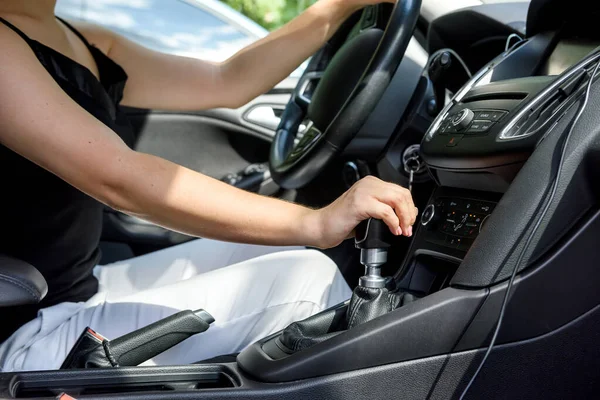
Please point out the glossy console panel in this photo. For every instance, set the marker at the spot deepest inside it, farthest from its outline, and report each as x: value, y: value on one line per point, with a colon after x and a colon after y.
x: 459, y: 216
x: 456, y: 221
x: 476, y: 145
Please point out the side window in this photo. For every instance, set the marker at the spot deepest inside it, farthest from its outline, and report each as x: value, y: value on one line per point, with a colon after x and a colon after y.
x: 70, y: 9
x: 169, y: 26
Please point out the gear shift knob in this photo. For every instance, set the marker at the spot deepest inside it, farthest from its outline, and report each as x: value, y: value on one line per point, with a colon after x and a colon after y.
x: 372, y: 234
x: 373, y: 238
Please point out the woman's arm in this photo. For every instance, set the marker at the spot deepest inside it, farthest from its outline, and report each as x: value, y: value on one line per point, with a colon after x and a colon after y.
x: 40, y: 122
x: 162, y: 81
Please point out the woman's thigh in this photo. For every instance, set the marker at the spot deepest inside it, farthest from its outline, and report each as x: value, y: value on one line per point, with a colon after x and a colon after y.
x: 249, y: 300
x: 175, y: 264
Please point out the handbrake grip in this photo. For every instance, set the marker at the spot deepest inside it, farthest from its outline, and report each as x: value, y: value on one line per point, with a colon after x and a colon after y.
x: 138, y: 346
x: 93, y: 351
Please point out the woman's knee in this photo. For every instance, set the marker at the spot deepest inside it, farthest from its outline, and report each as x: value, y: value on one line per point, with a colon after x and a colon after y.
x: 312, y: 264
x: 317, y: 277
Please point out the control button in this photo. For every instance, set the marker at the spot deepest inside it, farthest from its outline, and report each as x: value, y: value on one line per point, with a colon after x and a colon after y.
x: 496, y: 115
x: 453, y: 140
x: 444, y: 128
x: 451, y: 128
x: 428, y: 214
x: 484, y: 115
x: 453, y: 204
x: 452, y: 241
x: 480, y: 126
x: 447, y: 125
x: 490, y: 115
x: 446, y: 226
x: 469, y: 205
x: 462, y: 231
x: 482, y: 207
x: 472, y: 232
x: 463, y: 119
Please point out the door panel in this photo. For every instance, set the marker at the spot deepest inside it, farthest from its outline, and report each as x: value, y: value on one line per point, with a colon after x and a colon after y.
x: 213, y: 142
x: 206, y: 145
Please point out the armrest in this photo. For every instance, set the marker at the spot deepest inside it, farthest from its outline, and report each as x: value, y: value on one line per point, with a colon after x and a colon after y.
x: 20, y: 283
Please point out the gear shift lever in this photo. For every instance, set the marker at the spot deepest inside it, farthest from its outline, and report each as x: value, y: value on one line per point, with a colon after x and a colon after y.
x: 373, y: 238
x: 371, y: 298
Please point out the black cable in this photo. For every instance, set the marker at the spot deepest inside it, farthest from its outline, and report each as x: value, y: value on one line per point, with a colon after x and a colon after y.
x: 534, y: 230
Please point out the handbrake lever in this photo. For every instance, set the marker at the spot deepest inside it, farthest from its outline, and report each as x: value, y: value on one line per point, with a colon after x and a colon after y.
x: 94, y: 351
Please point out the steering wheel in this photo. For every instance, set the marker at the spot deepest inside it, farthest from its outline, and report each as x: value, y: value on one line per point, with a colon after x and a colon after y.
x: 339, y: 89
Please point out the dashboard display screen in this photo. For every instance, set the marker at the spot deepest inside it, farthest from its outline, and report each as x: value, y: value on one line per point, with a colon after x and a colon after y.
x: 567, y: 53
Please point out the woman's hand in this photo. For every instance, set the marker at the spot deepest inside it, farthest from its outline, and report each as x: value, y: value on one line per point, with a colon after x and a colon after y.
x: 358, y: 4
x: 370, y: 197
x: 354, y: 5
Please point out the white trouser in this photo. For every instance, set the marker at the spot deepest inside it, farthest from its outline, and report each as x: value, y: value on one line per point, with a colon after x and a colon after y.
x: 252, y: 291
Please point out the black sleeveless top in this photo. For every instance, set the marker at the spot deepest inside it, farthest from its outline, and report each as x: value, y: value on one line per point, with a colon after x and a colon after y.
x: 44, y: 220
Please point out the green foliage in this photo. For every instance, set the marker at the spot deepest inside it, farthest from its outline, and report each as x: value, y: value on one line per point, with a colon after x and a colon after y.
x: 270, y: 13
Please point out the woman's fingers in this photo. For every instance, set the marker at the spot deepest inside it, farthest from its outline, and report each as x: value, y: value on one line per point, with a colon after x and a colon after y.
x: 401, y: 201
x: 386, y: 213
x: 393, y: 204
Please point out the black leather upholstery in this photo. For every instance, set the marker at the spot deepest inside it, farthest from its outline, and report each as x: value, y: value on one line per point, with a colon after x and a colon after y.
x: 20, y: 283
x: 368, y: 304
x: 316, y: 329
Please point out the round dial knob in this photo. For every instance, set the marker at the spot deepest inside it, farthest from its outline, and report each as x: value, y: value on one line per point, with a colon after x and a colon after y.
x: 428, y: 215
x: 463, y: 119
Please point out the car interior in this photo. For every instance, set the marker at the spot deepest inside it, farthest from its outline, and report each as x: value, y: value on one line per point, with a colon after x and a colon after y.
x: 489, y: 115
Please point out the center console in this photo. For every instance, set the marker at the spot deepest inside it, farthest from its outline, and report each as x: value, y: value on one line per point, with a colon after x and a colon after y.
x: 479, y: 143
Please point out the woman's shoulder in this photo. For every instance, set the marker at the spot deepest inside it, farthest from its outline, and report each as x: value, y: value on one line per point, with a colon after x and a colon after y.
x: 99, y: 37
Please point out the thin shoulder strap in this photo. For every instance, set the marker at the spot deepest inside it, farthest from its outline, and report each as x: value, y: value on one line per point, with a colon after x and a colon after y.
x: 75, y: 31
x: 17, y: 30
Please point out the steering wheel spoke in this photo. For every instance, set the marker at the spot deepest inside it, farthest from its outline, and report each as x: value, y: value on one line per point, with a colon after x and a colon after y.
x: 306, y: 87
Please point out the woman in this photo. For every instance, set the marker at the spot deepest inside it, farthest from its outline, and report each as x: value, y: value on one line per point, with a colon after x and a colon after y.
x: 64, y: 153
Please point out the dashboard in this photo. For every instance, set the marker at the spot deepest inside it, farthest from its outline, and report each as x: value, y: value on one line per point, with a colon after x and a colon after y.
x: 567, y: 53
x: 484, y: 135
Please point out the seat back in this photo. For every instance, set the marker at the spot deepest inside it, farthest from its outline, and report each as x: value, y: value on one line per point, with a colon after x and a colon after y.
x: 20, y: 283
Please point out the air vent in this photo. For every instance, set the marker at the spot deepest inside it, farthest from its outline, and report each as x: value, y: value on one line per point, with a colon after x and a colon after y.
x: 495, y: 96
x: 549, y: 106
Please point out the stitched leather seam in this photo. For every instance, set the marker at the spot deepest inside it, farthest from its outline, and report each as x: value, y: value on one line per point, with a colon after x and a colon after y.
x: 354, y: 313
x: 391, y: 302
x: 15, y: 282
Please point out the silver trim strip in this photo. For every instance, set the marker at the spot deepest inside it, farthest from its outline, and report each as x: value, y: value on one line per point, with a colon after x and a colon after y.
x: 541, y: 96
